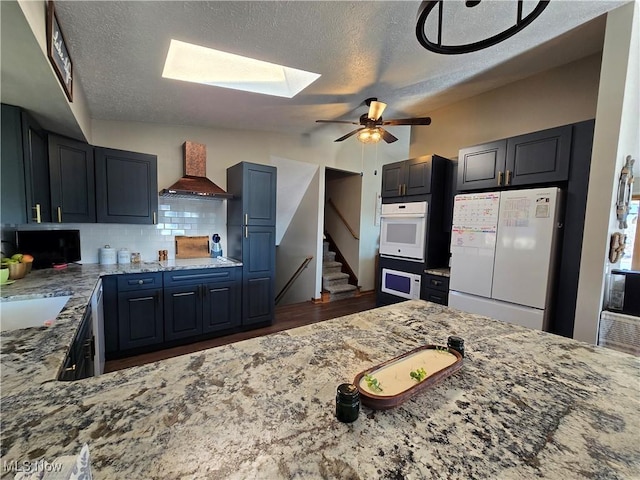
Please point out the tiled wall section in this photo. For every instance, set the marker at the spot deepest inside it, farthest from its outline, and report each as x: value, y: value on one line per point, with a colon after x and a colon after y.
x: 176, y: 216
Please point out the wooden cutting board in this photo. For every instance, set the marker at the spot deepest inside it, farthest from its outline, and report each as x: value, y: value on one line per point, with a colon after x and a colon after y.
x: 192, y: 247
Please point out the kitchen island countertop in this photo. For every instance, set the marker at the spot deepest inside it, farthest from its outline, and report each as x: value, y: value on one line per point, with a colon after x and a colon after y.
x: 526, y: 404
x: 37, y: 353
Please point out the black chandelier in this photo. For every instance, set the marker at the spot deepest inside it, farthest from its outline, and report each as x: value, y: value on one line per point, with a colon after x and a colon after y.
x: 431, y: 8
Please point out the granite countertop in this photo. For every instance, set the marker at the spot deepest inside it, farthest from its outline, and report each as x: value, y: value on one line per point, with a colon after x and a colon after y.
x: 526, y: 404
x: 37, y: 353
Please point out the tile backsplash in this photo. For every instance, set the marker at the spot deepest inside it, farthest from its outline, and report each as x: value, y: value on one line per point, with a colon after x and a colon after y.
x: 176, y: 216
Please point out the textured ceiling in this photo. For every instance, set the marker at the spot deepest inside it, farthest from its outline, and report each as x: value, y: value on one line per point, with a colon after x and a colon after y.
x: 362, y: 49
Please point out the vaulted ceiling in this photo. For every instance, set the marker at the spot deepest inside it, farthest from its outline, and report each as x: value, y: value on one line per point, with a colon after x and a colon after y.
x: 361, y: 49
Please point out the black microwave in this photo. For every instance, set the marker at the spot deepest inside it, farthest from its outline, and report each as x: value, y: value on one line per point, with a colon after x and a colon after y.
x: 624, y: 292
x: 49, y: 247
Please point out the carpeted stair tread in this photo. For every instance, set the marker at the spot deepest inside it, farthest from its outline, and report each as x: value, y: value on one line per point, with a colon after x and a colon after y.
x: 346, y: 287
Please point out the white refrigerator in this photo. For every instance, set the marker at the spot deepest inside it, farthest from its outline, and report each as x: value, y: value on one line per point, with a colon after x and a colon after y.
x: 503, y: 253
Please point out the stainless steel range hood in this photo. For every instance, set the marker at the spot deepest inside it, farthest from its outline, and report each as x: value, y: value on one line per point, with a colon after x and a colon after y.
x: 194, y: 183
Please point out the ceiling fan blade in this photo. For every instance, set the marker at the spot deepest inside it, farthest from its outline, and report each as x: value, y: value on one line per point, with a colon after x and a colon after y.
x: 376, y: 109
x: 353, y: 132
x: 408, y: 121
x: 337, y: 121
x: 386, y: 136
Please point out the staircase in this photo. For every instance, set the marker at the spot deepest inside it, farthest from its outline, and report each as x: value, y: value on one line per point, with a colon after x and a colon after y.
x: 335, y: 283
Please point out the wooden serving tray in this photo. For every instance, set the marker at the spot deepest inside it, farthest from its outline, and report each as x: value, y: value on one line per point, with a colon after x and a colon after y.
x: 192, y: 247
x: 400, y: 368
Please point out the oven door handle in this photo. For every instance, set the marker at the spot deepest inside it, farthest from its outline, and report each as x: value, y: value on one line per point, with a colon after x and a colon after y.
x: 404, y: 215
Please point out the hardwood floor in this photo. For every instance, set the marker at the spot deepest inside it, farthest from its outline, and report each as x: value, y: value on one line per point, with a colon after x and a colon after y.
x: 286, y: 317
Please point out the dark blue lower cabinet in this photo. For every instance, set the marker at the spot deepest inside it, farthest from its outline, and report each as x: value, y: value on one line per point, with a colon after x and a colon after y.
x: 151, y: 311
x: 182, y: 312
x: 221, y: 306
x: 258, y: 282
x: 140, y: 318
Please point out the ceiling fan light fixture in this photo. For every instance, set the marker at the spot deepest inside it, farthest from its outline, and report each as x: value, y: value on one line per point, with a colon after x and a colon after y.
x: 370, y: 135
x: 376, y: 109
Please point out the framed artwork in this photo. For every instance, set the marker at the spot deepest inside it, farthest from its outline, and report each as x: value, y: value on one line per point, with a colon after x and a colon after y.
x: 58, y: 53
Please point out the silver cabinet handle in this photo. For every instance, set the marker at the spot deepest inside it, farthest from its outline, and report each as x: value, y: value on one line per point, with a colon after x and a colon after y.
x: 508, y: 179
x: 38, y: 218
x: 246, y: 232
x: 500, y: 177
x: 246, y: 218
x: 155, y: 218
x: 59, y: 214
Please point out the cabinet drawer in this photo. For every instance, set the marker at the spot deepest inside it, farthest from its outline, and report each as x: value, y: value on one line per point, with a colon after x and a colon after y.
x: 203, y: 275
x: 435, y: 296
x: 436, y: 282
x: 139, y: 281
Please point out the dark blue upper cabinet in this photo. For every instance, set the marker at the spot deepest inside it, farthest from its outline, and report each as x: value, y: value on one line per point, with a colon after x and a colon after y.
x: 13, y: 200
x: 126, y: 186
x: 539, y: 157
x: 72, y: 175
x: 253, y: 187
x: 25, y: 169
x: 536, y: 158
x: 482, y: 166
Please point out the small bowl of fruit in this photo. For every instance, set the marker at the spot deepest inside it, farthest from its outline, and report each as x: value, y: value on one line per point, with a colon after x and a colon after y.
x: 19, y: 265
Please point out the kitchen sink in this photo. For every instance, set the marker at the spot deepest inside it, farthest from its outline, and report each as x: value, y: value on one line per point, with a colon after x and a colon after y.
x: 36, y: 312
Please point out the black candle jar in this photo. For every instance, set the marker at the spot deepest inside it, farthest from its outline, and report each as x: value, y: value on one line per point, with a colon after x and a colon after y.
x: 347, y: 402
x: 456, y: 343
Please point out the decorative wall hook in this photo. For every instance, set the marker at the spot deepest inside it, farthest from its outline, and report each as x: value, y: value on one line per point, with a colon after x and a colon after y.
x: 625, y: 188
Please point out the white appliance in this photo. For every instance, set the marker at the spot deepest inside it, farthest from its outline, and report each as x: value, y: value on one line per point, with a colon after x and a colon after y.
x: 503, y: 248
x: 401, y: 284
x: 97, y: 312
x: 403, y: 230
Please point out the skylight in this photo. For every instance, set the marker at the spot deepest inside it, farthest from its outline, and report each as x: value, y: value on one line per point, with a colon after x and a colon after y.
x: 193, y: 63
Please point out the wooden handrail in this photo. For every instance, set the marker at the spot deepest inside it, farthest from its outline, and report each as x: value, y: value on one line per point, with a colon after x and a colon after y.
x: 293, y: 278
x: 344, y: 220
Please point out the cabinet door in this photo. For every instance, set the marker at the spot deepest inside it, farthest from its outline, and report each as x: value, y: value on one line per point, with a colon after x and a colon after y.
x: 221, y: 306
x: 71, y: 171
x: 12, y: 201
x: 36, y: 164
x: 140, y: 318
x: 392, y: 179
x: 126, y: 186
x: 539, y: 157
x: 418, y: 176
x: 182, y: 311
x: 259, y: 258
x: 482, y: 166
x: 259, y: 195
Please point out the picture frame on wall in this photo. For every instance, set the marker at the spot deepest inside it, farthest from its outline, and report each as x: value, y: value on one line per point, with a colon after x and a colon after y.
x: 58, y: 53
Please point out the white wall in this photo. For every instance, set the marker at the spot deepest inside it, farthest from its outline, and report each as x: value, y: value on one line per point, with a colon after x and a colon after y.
x: 616, y: 136
x: 299, y: 242
x: 560, y: 96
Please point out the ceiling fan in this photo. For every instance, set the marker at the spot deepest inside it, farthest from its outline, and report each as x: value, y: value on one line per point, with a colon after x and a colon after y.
x: 371, y: 130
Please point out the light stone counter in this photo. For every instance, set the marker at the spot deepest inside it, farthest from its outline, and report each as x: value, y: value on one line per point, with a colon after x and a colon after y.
x: 35, y: 355
x: 526, y: 404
